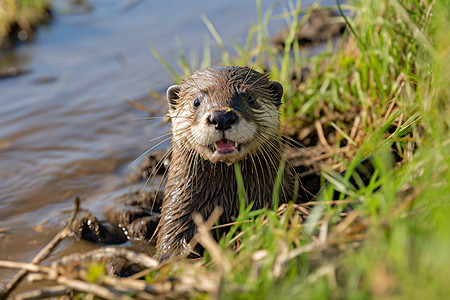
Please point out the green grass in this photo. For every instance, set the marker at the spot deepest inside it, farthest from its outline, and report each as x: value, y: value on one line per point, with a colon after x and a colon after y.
x: 22, y: 13
x: 385, y: 87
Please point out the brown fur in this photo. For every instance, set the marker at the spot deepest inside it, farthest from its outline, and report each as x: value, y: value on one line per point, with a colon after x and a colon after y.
x: 200, y: 180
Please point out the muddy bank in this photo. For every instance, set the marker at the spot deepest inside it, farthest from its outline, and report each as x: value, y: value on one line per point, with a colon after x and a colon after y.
x: 321, y: 26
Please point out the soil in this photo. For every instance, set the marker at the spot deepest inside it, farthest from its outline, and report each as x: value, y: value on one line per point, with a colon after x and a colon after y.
x: 132, y: 218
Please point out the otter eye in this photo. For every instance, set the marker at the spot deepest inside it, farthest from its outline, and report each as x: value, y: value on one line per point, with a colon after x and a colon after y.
x: 250, y: 100
x: 196, y: 103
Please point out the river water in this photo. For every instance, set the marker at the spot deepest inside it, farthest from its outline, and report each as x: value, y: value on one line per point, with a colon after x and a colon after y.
x: 66, y: 129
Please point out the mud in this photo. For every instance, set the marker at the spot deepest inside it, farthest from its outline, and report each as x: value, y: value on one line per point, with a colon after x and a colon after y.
x: 321, y: 26
x: 119, y: 267
x: 154, y: 163
x: 89, y: 228
x: 133, y: 217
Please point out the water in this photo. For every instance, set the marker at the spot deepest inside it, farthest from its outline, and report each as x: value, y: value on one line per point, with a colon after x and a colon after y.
x: 65, y: 127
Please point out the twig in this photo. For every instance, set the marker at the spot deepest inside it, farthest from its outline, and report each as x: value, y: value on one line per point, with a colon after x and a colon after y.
x: 52, y: 291
x: 304, y: 249
x: 328, y: 271
x: 355, y: 127
x: 116, y: 288
x: 24, y: 266
x: 323, y: 230
x: 136, y: 285
x: 209, y: 224
x: 401, y: 79
x: 205, y: 238
x: 81, y: 286
x: 230, y: 224
x: 307, y: 173
x: 109, y: 252
x: 88, y: 287
x: 321, y: 135
x: 331, y: 202
x: 46, y: 251
x: 235, y: 238
x: 346, y: 222
x: 301, y: 208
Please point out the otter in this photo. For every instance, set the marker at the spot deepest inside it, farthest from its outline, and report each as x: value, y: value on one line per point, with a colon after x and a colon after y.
x: 220, y: 116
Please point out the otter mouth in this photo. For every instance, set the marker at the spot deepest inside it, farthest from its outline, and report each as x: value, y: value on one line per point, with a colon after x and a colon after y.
x: 225, y: 150
x: 225, y: 147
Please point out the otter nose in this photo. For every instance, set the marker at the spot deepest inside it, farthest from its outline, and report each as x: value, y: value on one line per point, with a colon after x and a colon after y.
x: 223, y: 120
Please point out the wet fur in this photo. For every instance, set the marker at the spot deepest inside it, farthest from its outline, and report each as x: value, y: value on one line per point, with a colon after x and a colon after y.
x: 198, y: 183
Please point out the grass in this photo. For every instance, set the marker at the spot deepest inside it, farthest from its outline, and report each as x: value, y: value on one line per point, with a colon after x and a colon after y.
x: 384, y: 87
x: 20, y: 15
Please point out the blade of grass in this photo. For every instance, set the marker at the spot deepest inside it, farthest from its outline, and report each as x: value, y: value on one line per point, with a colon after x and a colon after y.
x: 215, y: 34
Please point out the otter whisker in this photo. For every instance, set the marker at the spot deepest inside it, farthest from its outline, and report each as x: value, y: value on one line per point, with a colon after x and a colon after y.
x: 161, y: 136
x: 148, y: 118
x: 163, y: 179
x: 181, y: 117
x: 156, y: 170
x: 247, y: 76
x: 149, y: 150
x: 152, y: 176
x: 265, y: 76
x: 198, y: 87
x: 256, y: 174
x: 293, y: 143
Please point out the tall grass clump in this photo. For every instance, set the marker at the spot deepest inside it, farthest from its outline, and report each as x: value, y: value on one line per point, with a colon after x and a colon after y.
x: 21, y: 15
x: 383, y: 87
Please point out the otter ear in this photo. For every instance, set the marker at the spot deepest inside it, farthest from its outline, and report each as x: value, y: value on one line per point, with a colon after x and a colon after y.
x: 277, y: 91
x: 172, y: 96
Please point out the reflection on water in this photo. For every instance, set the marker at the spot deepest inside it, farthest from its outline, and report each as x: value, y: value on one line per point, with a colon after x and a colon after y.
x: 65, y: 127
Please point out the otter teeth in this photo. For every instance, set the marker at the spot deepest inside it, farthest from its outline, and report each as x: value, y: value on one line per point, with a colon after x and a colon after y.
x: 225, y: 147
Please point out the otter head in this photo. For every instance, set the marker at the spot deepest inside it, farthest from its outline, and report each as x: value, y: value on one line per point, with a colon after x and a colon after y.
x: 225, y: 114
